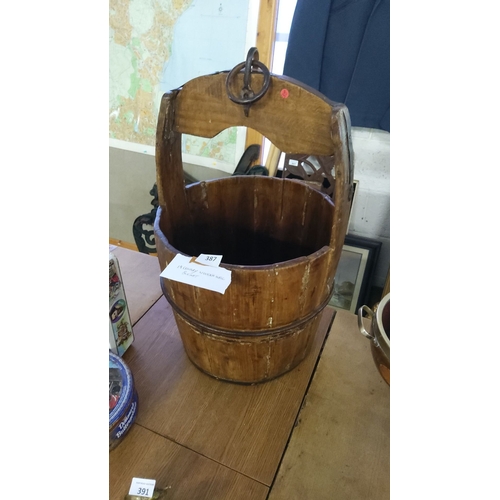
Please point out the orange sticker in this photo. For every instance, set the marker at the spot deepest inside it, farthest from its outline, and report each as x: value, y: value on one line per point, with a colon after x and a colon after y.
x: 285, y: 93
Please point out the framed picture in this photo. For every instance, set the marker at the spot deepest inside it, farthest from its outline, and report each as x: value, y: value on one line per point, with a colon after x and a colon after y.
x: 353, y: 278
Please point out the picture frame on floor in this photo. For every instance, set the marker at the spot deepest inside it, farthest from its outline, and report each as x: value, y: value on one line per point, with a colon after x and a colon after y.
x: 354, y: 275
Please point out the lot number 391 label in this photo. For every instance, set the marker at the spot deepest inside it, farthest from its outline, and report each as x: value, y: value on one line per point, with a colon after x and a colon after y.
x: 142, y: 487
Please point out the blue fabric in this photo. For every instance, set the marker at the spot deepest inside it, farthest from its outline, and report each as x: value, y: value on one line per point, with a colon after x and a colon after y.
x: 342, y: 49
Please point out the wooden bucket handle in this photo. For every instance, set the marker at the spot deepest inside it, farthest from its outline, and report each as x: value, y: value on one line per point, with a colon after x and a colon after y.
x: 294, y: 117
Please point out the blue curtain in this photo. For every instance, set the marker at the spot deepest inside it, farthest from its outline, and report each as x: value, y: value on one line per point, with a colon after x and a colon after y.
x: 342, y: 49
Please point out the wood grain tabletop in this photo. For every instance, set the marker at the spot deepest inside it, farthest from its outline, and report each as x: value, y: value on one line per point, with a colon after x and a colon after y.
x: 340, y: 447
x: 244, y: 427
x: 184, y: 473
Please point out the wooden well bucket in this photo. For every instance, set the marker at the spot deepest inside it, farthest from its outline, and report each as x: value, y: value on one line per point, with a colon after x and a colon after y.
x: 281, y: 238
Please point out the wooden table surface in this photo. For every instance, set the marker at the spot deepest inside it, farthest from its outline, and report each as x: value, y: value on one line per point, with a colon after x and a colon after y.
x: 319, y: 431
x: 340, y: 445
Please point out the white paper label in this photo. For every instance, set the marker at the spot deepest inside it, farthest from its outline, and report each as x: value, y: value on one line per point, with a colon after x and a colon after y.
x: 182, y: 269
x: 142, y: 487
x: 209, y: 260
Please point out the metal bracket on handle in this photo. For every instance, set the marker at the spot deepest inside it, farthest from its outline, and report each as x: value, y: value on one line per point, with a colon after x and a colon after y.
x: 247, y: 95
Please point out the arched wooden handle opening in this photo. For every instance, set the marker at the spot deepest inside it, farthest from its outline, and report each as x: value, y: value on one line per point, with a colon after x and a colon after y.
x: 295, y: 118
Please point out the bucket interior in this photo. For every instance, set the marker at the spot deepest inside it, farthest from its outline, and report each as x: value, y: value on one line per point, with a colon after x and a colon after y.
x: 251, y: 220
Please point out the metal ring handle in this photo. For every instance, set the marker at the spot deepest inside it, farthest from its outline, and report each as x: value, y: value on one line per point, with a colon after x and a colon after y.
x: 252, y: 56
x: 360, y: 321
x: 249, y: 98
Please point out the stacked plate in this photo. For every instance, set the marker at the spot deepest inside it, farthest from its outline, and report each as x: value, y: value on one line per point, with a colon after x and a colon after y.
x: 122, y: 400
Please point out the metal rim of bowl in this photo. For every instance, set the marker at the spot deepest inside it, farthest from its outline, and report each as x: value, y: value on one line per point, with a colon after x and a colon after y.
x: 378, y: 315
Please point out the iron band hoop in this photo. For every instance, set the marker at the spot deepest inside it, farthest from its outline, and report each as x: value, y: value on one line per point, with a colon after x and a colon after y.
x: 275, y: 332
x: 247, y: 95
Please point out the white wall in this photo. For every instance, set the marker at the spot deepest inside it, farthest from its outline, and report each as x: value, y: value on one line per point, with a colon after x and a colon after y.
x: 131, y: 177
x: 371, y: 211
